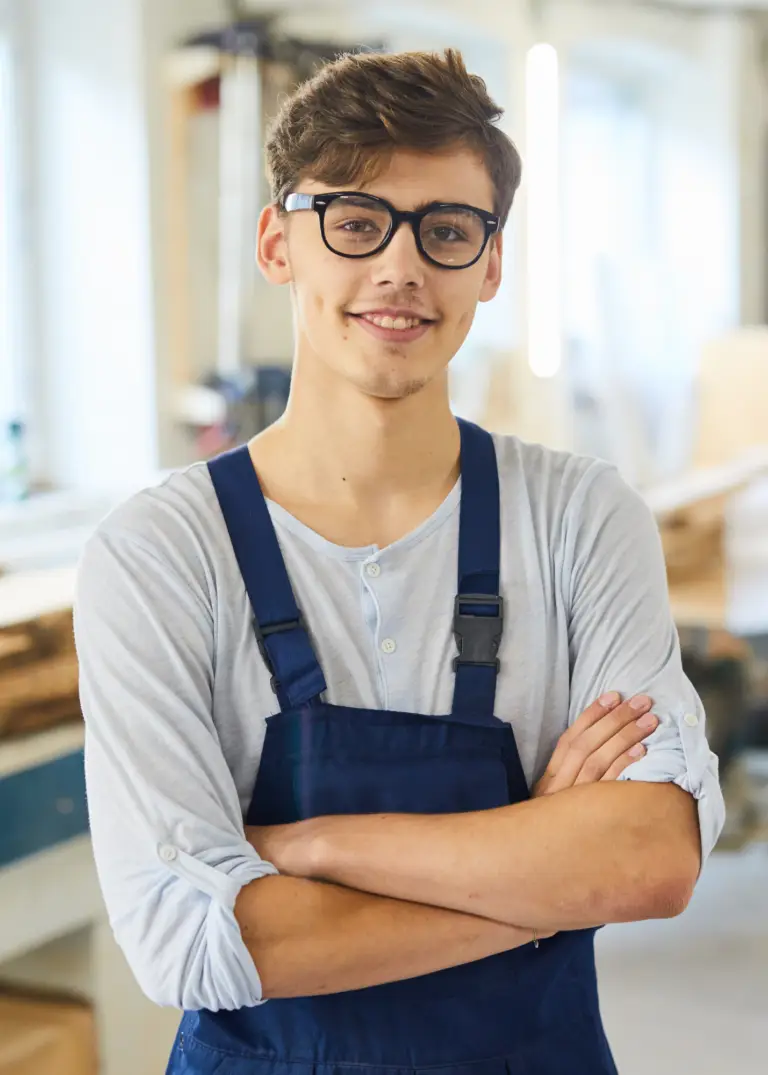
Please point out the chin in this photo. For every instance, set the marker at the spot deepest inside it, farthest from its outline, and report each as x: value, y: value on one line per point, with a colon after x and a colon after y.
x: 386, y: 373
x: 394, y: 388
x: 389, y: 379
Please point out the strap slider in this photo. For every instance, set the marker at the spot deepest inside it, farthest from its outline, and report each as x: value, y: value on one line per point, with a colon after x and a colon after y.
x: 478, y: 636
x: 262, y: 633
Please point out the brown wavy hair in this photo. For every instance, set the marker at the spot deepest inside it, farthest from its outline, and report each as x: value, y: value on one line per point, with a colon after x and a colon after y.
x: 341, y: 126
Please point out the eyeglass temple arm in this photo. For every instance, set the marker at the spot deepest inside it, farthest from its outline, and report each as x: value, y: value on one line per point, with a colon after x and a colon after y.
x: 299, y: 201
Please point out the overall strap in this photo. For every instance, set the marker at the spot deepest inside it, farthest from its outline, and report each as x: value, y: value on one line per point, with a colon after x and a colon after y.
x: 478, y: 611
x: 280, y: 629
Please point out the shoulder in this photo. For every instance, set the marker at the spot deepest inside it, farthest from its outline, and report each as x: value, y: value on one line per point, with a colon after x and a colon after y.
x: 175, y: 525
x: 550, y: 479
x: 181, y: 504
x: 575, y: 505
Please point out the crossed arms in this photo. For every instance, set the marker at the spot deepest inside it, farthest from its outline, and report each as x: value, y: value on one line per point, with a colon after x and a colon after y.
x: 367, y: 899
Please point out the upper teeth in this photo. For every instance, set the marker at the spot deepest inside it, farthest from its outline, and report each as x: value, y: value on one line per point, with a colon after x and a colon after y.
x: 390, y: 322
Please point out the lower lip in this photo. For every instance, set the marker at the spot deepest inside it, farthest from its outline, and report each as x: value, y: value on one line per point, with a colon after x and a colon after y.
x: 393, y: 335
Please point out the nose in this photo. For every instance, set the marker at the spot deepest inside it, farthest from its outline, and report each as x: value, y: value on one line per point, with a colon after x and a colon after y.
x: 399, y: 265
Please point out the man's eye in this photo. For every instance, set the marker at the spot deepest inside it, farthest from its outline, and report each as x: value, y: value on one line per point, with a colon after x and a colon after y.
x: 358, y: 226
x: 447, y: 234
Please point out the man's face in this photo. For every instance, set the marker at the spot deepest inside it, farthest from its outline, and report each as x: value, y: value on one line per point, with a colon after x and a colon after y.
x: 331, y: 293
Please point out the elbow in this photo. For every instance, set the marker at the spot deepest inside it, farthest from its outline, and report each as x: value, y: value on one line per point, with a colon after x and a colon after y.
x: 164, y: 990
x: 672, y: 863
x: 661, y: 886
x: 668, y: 893
x: 158, y: 973
x: 191, y: 956
x: 168, y: 981
x: 672, y: 898
x: 178, y: 982
x: 649, y: 898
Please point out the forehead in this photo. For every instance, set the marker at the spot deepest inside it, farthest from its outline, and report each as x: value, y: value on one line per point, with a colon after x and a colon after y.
x: 411, y: 178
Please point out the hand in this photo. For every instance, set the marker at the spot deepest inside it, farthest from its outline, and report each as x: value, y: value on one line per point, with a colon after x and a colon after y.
x: 604, y: 740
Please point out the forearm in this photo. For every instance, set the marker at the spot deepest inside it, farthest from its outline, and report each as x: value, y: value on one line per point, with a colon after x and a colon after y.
x: 587, y: 856
x: 308, y: 938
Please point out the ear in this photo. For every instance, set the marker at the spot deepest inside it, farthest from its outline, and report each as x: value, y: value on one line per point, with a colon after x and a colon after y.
x: 272, y: 246
x: 492, y: 280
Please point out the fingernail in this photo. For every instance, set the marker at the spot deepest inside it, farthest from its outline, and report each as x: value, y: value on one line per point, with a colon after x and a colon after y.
x: 637, y: 751
x: 647, y: 722
x: 642, y: 701
x: 607, y: 700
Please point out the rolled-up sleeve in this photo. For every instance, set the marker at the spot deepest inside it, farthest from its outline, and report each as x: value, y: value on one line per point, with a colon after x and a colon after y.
x: 165, y: 817
x: 623, y: 637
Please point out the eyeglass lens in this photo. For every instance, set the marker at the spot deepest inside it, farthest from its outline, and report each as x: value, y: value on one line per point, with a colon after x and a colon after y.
x: 358, y: 226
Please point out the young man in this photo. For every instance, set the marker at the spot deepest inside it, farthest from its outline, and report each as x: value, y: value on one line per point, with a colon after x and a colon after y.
x: 341, y: 755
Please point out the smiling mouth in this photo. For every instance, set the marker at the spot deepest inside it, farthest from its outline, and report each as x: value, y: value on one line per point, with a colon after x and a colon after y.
x: 393, y: 324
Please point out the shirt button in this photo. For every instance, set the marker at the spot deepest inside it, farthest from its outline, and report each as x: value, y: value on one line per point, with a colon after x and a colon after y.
x: 372, y: 570
x: 691, y: 720
x: 389, y: 645
x: 168, y: 853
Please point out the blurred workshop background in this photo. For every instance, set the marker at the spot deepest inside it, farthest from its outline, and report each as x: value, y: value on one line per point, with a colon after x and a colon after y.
x: 135, y: 337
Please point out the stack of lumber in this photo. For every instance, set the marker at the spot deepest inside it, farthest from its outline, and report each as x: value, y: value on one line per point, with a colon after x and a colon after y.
x: 38, y: 663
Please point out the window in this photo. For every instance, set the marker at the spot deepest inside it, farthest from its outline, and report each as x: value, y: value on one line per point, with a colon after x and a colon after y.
x: 651, y: 211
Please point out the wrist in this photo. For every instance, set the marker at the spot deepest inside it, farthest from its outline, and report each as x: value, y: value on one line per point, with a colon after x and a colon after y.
x: 299, y: 849
x: 294, y: 849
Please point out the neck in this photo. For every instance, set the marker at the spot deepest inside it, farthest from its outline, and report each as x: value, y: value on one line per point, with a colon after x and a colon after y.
x: 377, y: 467
x: 356, y: 445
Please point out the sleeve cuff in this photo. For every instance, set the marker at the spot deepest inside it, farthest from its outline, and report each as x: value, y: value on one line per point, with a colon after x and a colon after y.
x: 678, y: 753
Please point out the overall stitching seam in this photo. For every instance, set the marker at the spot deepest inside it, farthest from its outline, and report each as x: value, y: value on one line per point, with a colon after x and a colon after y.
x: 233, y: 1053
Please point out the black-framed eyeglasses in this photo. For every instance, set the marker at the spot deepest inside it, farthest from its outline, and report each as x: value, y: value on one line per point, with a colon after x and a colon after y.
x: 356, y: 225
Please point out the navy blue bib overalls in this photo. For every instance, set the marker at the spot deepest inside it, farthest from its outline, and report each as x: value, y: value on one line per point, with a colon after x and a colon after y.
x: 531, y: 1011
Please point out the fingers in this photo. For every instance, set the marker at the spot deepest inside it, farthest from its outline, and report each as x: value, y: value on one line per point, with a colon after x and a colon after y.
x: 616, y: 751
x: 592, y: 714
x: 619, y: 718
x: 586, y: 720
x: 629, y: 757
x: 551, y: 781
x: 597, y: 746
x: 592, y: 753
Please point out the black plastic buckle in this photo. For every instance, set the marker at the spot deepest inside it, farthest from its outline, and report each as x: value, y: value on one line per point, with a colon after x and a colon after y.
x: 478, y: 637
x: 272, y: 629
